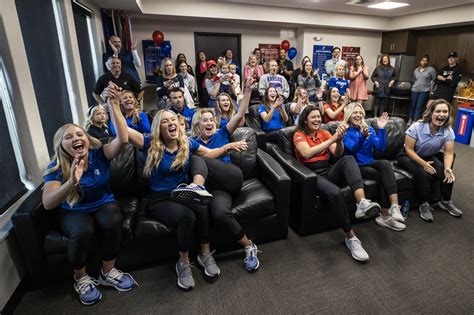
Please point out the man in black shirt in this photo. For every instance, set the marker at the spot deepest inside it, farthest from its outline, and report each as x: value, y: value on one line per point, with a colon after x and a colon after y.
x: 285, y: 68
x: 448, y: 79
x: 123, y: 80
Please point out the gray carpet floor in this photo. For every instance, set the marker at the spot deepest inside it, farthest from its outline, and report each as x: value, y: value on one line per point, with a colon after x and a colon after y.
x: 426, y: 269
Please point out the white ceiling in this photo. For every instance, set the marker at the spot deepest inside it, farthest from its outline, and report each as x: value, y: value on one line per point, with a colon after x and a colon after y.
x: 416, y: 6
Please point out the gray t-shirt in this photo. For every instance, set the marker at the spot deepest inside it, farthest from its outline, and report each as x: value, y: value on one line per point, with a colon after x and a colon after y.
x: 423, y: 81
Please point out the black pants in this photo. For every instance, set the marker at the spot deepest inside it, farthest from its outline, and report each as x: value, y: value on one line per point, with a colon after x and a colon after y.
x: 220, y: 175
x: 423, y: 180
x: 380, y: 105
x: 80, y: 229
x: 381, y: 171
x: 344, y: 171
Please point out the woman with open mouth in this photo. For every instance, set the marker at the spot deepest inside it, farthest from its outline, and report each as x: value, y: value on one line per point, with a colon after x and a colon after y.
x: 429, y: 155
x: 300, y: 101
x: 225, y: 179
x: 134, y: 116
x: 314, y: 147
x: 272, y: 113
x: 168, y: 160
x: 360, y: 141
x: 225, y: 111
x: 334, y: 108
x: 76, y: 186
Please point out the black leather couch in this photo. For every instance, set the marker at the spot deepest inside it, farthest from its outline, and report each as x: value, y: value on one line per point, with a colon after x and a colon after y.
x: 309, y: 214
x: 262, y: 208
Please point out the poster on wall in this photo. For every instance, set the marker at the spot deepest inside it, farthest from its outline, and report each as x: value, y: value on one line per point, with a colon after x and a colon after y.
x: 269, y: 51
x: 152, y: 57
x: 349, y: 53
x: 321, y: 53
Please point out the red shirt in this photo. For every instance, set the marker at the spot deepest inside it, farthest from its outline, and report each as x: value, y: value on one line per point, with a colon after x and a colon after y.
x: 339, y: 117
x: 320, y: 137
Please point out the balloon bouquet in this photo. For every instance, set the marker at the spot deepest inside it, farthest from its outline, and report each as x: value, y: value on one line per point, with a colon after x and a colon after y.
x: 292, y: 52
x: 159, y: 39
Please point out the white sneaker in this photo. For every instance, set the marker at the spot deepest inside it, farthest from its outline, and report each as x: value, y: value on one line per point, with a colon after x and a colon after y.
x: 390, y: 222
x: 394, y: 211
x: 357, y: 251
x: 367, y: 209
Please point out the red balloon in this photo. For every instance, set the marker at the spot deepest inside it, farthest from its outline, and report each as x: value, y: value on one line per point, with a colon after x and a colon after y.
x: 158, y: 37
x: 285, y: 45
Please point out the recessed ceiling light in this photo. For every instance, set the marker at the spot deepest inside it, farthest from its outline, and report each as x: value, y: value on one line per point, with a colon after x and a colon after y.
x: 388, y: 5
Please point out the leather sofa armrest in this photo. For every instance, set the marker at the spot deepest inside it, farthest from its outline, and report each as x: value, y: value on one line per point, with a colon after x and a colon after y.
x: 279, y: 183
x: 303, y: 187
x: 31, y: 223
x: 261, y: 137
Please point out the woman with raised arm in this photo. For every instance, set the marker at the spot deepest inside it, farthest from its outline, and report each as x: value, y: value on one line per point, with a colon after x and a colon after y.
x: 272, y: 113
x: 167, y: 151
x: 314, y: 147
x: 225, y: 111
x: 76, y: 187
x: 360, y: 141
x: 134, y: 116
x: 300, y: 102
x: 334, y: 108
x: 225, y: 179
x: 429, y: 155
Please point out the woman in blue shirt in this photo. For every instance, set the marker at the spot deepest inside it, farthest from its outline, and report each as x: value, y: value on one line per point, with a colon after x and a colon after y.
x: 76, y: 186
x: 272, y: 114
x: 429, y: 155
x: 167, y: 152
x: 339, y: 82
x: 225, y: 179
x: 359, y: 141
x: 225, y: 111
x: 134, y: 116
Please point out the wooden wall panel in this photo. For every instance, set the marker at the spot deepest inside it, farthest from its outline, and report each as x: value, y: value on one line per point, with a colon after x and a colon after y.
x: 437, y: 43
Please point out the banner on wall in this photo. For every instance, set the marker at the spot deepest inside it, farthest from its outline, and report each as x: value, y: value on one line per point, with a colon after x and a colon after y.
x: 348, y: 54
x: 152, y: 57
x: 321, y: 53
x: 269, y: 51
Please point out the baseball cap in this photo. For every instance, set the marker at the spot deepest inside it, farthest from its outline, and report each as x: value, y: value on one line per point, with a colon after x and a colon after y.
x: 452, y: 54
x: 209, y: 63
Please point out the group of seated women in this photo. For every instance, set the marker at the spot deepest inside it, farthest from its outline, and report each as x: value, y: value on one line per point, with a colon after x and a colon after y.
x: 192, y: 181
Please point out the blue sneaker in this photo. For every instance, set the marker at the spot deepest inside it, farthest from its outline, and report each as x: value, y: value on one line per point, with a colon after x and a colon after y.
x: 117, y: 279
x: 191, y: 193
x: 251, y: 260
x: 87, y: 290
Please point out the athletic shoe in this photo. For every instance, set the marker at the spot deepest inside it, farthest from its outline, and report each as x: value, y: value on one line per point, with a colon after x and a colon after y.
x: 185, y: 275
x: 208, y: 262
x: 426, y: 212
x: 357, y: 251
x: 191, y: 193
x: 366, y: 209
x: 394, y: 211
x: 119, y: 280
x: 450, y: 207
x: 251, y: 261
x: 390, y: 222
x: 86, y: 287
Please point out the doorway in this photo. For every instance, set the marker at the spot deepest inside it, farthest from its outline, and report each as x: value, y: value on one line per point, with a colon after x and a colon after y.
x: 214, y: 44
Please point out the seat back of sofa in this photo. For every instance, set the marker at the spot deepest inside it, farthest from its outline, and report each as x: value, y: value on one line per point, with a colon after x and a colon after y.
x: 395, y: 137
x: 246, y: 160
x: 124, y: 180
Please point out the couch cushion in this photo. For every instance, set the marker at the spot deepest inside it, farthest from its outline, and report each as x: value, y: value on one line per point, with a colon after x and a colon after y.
x: 254, y: 201
x: 245, y: 160
x: 123, y: 180
x: 55, y: 243
x: 147, y: 226
x: 395, y: 133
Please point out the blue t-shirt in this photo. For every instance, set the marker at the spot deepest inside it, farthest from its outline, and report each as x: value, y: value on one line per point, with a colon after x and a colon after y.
x: 340, y: 84
x: 224, y: 122
x: 217, y: 140
x: 187, y: 113
x: 163, y: 178
x: 94, y: 183
x: 143, y: 126
x: 274, y: 123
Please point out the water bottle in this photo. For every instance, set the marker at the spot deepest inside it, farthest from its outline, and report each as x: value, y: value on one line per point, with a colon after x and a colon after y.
x: 405, y: 208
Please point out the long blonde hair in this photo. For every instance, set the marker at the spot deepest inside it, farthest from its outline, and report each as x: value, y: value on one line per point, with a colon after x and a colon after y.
x: 137, y: 107
x: 64, y: 160
x: 157, y: 147
x: 350, y: 109
x: 90, y: 119
x: 195, y: 130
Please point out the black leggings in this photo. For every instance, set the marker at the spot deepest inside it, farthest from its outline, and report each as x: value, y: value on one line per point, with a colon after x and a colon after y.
x: 79, y: 228
x: 224, y: 181
x: 344, y: 171
x: 423, y: 180
x: 380, y: 105
x: 381, y: 171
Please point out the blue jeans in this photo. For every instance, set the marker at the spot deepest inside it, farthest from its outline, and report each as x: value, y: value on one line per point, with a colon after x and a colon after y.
x: 418, y: 102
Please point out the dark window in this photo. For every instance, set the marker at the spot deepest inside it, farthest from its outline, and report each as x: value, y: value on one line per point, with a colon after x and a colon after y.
x: 40, y: 37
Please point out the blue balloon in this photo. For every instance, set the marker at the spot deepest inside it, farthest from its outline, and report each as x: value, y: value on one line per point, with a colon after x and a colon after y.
x: 165, y: 49
x: 292, y: 52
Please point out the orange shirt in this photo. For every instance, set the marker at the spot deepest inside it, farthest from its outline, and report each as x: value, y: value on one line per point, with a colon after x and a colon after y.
x: 327, y: 119
x: 320, y: 137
